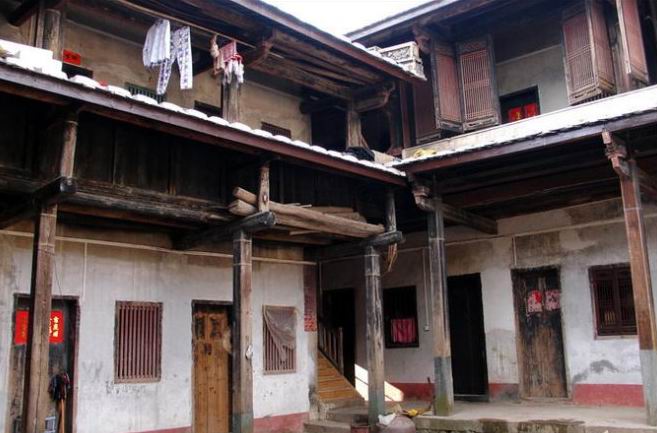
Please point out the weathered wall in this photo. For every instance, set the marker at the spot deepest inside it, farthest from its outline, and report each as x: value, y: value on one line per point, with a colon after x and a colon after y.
x: 543, y: 69
x: 574, y: 239
x: 100, y: 273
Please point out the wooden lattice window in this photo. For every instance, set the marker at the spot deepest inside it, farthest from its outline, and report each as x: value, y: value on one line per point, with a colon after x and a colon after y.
x: 613, y: 301
x: 138, y: 342
x: 279, y: 340
x: 140, y: 90
x: 276, y: 130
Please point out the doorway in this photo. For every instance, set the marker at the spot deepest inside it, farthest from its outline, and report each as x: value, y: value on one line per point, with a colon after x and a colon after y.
x: 339, y: 311
x: 468, y: 338
x: 537, y: 299
x: 61, y: 360
x: 211, y: 348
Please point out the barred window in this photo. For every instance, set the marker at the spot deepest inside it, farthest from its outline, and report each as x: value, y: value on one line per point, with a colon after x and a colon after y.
x: 613, y: 300
x: 141, y: 90
x: 138, y: 342
x: 400, y: 317
x: 279, y: 339
x: 276, y: 130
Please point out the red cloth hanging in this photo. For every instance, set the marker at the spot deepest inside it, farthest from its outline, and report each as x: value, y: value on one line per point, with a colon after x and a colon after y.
x: 403, y: 331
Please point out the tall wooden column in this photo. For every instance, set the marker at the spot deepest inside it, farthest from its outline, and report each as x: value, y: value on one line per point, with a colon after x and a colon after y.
x: 444, y: 389
x: 374, y: 317
x: 631, y: 180
x: 242, y: 339
x: 35, y: 403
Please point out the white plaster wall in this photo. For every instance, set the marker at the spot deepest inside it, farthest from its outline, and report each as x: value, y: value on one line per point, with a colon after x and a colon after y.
x: 102, y: 274
x: 574, y: 239
x: 543, y: 68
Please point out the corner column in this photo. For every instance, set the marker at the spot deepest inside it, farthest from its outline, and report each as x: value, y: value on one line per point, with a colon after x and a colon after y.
x: 242, y: 419
x: 443, y: 403
x: 35, y: 403
x: 374, y: 317
x: 642, y: 287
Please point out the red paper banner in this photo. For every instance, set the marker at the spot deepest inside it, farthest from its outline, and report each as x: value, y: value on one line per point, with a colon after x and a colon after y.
x: 56, y: 327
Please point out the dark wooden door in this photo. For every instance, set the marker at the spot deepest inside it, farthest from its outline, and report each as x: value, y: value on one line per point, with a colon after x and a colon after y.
x: 211, y: 371
x: 339, y: 311
x: 468, y: 339
x: 61, y: 359
x: 537, y: 295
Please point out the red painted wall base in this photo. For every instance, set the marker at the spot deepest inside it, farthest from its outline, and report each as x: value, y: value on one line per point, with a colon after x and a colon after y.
x: 292, y: 423
x: 608, y: 395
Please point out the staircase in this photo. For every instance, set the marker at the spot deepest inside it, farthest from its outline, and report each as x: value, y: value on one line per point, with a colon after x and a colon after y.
x: 338, y: 420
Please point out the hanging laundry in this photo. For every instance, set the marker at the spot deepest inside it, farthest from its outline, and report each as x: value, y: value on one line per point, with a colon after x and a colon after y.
x: 227, y: 60
x: 181, y: 52
x: 157, y: 48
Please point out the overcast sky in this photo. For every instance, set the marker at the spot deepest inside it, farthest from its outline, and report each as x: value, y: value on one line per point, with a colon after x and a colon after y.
x: 342, y: 16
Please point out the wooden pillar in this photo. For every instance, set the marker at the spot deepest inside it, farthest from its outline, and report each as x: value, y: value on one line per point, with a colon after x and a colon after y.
x: 49, y: 32
x: 374, y: 317
x: 443, y: 403
x: 35, y: 403
x: 354, y: 131
x: 644, y: 303
x: 230, y: 102
x: 242, y: 421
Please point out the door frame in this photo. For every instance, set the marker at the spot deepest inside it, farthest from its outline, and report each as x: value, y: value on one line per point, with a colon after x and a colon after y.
x: 522, y: 386
x: 75, y: 304
x: 228, y: 306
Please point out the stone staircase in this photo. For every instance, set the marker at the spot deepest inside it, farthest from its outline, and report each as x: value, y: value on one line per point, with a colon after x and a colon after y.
x: 338, y: 420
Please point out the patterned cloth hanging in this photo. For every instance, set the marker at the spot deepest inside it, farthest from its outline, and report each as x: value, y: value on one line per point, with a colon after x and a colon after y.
x: 227, y: 61
x: 181, y: 52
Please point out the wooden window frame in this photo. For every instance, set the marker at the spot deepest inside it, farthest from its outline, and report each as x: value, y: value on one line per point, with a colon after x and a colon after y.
x: 389, y: 344
x: 618, y: 331
x: 266, y: 369
x: 126, y: 343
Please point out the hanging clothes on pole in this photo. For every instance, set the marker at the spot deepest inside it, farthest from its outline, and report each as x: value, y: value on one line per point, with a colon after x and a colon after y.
x: 181, y: 52
x: 227, y: 60
x: 157, y: 47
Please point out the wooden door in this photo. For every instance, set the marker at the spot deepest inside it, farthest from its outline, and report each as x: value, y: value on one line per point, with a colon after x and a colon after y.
x: 537, y: 295
x: 468, y: 338
x: 61, y: 359
x: 211, y: 389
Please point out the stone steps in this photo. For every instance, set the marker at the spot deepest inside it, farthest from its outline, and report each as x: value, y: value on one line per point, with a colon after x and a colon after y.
x: 326, y: 427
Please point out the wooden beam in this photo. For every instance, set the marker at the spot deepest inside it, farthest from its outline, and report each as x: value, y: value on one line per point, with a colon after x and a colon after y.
x: 278, y: 67
x: 350, y: 249
x: 52, y: 193
x: 250, y: 224
x: 242, y: 342
x: 374, y: 340
x: 315, y: 220
x: 443, y: 403
x: 258, y: 54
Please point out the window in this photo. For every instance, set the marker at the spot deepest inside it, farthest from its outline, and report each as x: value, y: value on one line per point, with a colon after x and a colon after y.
x: 276, y: 130
x: 400, y: 317
x: 613, y: 301
x: 210, y: 110
x: 139, y: 90
x: 138, y: 342
x: 73, y: 70
x: 520, y: 105
x: 279, y: 334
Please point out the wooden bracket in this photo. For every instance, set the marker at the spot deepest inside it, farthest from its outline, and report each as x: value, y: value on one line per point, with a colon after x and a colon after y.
x: 263, y: 188
x: 250, y: 224
x: 426, y: 203
x: 51, y: 193
x: 356, y: 248
x: 259, y: 54
x: 616, y: 151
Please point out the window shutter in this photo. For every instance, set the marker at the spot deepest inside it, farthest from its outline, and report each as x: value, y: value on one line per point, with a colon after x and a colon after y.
x: 447, y: 97
x: 634, y: 54
x: 478, y: 86
x: 588, y: 60
x: 424, y: 110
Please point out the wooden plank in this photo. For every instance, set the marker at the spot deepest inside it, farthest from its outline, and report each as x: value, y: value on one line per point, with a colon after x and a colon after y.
x: 374, y: 331
x: 249, y: 224
x: 322, y: 222
x: 443, y: 403
x: 242, y: 383
x: 355, y: 248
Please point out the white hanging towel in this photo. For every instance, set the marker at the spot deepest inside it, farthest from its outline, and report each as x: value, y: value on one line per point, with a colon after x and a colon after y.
x: 157, y: 47
x: 181, y: 52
